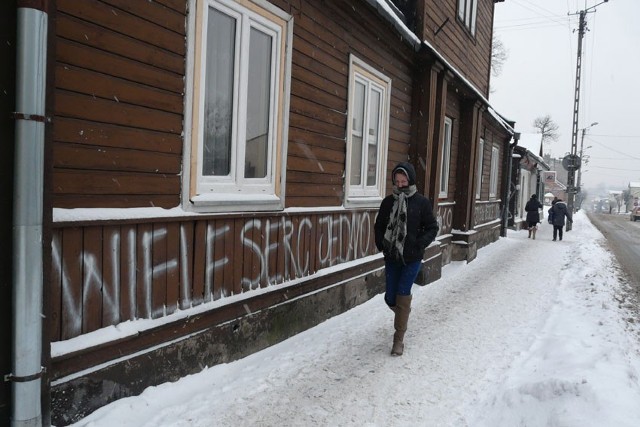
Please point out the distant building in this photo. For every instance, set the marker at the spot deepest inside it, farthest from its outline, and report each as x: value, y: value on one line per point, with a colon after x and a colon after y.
x: 634, y: 195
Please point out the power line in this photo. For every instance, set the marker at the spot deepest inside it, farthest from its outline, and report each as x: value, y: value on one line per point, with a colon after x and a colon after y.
x: 615, y: 169
x: 614, y: 150
x: 614, y: 136
x: 526, y: 26
x: 619, y: 159
x: 530, y: 6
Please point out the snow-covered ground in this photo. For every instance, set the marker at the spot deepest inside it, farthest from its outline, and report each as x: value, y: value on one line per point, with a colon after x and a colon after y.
x: 531, y: 333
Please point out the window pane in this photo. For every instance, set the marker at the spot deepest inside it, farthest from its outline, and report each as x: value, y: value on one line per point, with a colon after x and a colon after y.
x: 446, y: 156
x: 218, y: 108
x: 472, y: 25
x: 357, y: 134
x: 374, y: 136
x: 461, y: 8
x: 258, y: 101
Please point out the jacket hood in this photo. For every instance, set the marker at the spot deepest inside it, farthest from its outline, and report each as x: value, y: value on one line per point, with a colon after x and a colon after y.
x: 408, y: 169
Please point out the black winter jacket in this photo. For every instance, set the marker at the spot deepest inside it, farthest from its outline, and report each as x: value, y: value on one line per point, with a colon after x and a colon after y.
x: 532, y: 208
x: 558, y: 212
x: 422, y: 227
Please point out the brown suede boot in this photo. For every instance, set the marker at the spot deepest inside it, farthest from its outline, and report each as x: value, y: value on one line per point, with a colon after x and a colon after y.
x: 403, y: 308
x: 534, y: 232
x: 391, y: 307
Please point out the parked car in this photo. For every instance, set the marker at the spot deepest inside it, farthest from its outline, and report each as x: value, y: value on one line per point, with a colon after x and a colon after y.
x: 635, y: 213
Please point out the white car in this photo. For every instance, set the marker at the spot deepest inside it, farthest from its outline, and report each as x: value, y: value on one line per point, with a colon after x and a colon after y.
x: 635, y: 213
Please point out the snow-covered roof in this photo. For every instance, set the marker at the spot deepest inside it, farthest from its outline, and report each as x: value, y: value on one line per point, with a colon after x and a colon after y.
x: 531, y: 157
x: 390, y: 13
x: 634, y: 184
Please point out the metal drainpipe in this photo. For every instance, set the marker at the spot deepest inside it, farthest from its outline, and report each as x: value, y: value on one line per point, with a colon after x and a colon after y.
x: 27, y: 214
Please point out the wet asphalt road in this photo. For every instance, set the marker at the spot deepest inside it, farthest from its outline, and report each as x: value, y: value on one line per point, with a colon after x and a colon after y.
x: 623, y: 238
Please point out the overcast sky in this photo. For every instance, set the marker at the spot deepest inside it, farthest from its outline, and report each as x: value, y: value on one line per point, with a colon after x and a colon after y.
x: 538, y: 78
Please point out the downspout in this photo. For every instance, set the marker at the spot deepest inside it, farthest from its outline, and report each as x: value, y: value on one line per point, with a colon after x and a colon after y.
x: 28, y: 213
x: 507, y: 187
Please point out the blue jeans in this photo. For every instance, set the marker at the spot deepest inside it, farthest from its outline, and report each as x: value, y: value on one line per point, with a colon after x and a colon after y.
x: 400, y: 278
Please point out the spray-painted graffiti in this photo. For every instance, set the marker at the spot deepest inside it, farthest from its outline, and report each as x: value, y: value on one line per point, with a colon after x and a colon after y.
x: 139, y: 270
x: 445, y: 218
x: 486, y: 212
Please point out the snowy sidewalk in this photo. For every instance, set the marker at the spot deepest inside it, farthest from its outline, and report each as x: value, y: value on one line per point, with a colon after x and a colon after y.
x: 527, y: 334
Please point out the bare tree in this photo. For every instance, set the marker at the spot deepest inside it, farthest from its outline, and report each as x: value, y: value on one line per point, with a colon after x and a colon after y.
x: 547, y: 128
x: 499, y: 55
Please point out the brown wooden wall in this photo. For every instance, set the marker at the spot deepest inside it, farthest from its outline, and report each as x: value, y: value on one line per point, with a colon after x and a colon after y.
x: 106, y: 274
x: 325, y: 34
x: 119, y: 80
x: 494, y: 135
x: 471, y: 55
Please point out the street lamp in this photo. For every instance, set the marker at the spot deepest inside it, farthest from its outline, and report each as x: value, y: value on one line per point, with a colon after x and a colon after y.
x: 579, y: 189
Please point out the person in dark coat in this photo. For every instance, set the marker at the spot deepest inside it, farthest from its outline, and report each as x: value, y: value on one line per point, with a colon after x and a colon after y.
x: 558, y: 212
x: 532, y: 208
x: 404, y: 227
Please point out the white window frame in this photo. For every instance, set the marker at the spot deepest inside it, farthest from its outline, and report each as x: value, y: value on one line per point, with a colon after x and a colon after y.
x: 480, y: 165
x: 493, y: 181
x: 364, y: 195
x: 467, y: 10
x: 445, y: 158
x: 234, y: 192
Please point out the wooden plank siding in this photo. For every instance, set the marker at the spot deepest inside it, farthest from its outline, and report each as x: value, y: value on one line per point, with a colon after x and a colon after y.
x: 324, y: 37
x: 487, y: 208
x: 495, y: 136
x: 119, y: 84
x: 105, y: 274
x: 469, y: 54
x: 119, y: 99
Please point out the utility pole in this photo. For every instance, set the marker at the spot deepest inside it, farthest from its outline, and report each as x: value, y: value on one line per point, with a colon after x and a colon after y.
x: 573, y: 161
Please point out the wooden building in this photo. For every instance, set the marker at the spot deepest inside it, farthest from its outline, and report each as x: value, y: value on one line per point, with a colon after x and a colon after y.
x: 213, y: 171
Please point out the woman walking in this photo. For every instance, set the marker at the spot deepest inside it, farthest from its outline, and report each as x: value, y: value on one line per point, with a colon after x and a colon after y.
x: 532, y: 208
x: 405, y: 226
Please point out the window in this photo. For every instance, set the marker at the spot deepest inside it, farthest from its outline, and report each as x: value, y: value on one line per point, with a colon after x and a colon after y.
x: 467, y: 14
x: 239, y: 62
x: 368, y: 124
x: 493, y: 181
x: 445, y: 160
x: 479, y: 168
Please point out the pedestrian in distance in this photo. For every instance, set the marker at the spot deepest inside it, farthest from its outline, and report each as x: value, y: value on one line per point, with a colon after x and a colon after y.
x: 532, y: 208
x: 558, y: 212
x: 404, y: 228
x: 549, y: 213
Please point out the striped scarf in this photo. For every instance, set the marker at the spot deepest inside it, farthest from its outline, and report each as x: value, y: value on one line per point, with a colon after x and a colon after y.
x: 397, y: 228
